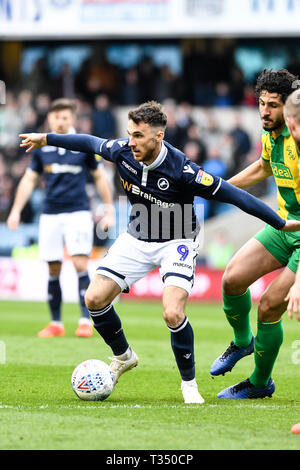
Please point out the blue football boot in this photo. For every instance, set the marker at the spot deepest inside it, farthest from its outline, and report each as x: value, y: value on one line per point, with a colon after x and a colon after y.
x: 230, y: 357
x: 245, y: 389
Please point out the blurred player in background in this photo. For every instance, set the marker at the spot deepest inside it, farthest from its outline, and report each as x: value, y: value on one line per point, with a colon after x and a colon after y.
x: 66, y: 219
x: 161, y: 184
x: 292, y: 118
x: 269, y: 250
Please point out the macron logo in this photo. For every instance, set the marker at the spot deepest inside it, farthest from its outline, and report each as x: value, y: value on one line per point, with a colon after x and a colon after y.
x: 188, y: 169
x: 187, y: 356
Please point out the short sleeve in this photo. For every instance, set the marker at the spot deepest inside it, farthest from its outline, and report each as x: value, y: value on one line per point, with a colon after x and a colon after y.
x: 110, y: 149
x: 198, y: 182
x: 36, y: 162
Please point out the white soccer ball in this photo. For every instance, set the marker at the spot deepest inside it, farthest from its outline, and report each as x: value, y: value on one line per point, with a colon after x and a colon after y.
x: 92, y: 380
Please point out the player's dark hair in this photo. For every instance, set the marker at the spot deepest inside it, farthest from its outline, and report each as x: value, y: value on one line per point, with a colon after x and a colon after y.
x: 276, y: 81
x: 62, y: 104
x: 150, y: 113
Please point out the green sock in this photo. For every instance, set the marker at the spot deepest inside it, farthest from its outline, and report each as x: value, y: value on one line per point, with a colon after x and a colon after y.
x: 237, y: 309
x: 266, y: 348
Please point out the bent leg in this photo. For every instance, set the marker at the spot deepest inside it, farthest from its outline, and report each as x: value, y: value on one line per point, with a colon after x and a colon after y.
x: 99, y: 295
x: 269, y: 327
x: 250, y: 263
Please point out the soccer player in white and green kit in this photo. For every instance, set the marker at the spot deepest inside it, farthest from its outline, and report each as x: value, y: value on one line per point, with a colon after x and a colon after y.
x: 267, y: 251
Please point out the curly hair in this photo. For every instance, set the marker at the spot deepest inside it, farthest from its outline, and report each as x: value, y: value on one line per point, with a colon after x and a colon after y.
x: 276, y: 81
x: 150, y: 113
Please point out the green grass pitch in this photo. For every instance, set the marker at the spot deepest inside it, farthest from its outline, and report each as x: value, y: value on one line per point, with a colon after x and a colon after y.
x: 39, y: 410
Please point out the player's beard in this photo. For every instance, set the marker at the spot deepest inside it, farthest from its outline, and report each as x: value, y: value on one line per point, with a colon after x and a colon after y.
x: 274, y: 125
x: 149, y: 154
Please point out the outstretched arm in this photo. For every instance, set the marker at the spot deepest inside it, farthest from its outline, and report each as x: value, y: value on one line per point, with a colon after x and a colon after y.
x: 78, y: 142
x: 254, y: 206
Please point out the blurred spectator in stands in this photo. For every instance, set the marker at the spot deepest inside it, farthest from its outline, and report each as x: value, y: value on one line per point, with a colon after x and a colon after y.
x: 237, y: 85
x: 220, y: 250
x: 83, y: 107
x: 195, y: 145
x: 63, y: 86
x: 165, y: 84
x: 215, y: 165
x: 192, y: 150
x: 24, y: 99
x: 241, y: 143
x: 84, y: 124
x: 222, y: 95
x: 174, y: 133
x: 147, y: 78
x: 37, y: 80
x: 41, y: 105
x: 6, y: 193
x: 293, y: 65
x: 249, y: 98
x: 12, y: 122
x: 94, y: 87
x: 30, y: 122
x: 80, y: 79
x: 104, y: 120
x: 259, y: 189
x: 211, y: 131
x: 18, y: 168
x: 203, y: 94
x: 130, y: 92
x: 2, y: 165
x: 184, y: 116
x: 102, y: 78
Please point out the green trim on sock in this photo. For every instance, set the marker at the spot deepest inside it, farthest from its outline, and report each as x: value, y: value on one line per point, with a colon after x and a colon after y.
x: 266, y: 348
x: 237, y: 309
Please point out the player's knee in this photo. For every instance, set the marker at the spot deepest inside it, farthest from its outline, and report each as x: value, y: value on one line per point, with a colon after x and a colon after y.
x: 54, y: 268
x: 267, y: 310
x: 173, y: 317
x: 232, y: 283
x: 95, y: 300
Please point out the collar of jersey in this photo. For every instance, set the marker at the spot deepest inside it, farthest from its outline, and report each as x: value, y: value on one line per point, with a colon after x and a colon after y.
x: 159, y: 159
x: 285, y: 133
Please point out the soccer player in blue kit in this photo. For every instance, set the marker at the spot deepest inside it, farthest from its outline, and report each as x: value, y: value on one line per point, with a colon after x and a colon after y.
x: 160, y: 183
x: 66, y: 219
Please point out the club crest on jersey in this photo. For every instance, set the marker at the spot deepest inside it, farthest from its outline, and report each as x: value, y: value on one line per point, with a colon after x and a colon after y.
x: 163, y: 184
x: 204, y: 178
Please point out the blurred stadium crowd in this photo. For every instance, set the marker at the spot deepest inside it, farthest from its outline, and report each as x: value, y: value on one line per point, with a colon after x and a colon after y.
x: 101, y: 88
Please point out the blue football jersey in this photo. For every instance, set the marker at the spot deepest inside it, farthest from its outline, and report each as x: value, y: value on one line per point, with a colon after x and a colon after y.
x: 162, y: 193
x: 65, y: 173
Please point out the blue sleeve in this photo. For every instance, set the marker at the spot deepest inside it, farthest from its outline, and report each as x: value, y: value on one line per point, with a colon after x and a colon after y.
x: 248, y: 203
x: 199, y: 182
x: 108, y: 149
x: 36, y: 163
x: 78, y: 142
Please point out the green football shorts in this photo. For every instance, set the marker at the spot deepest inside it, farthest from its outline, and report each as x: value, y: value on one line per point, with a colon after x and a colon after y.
x: 284, y: 246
